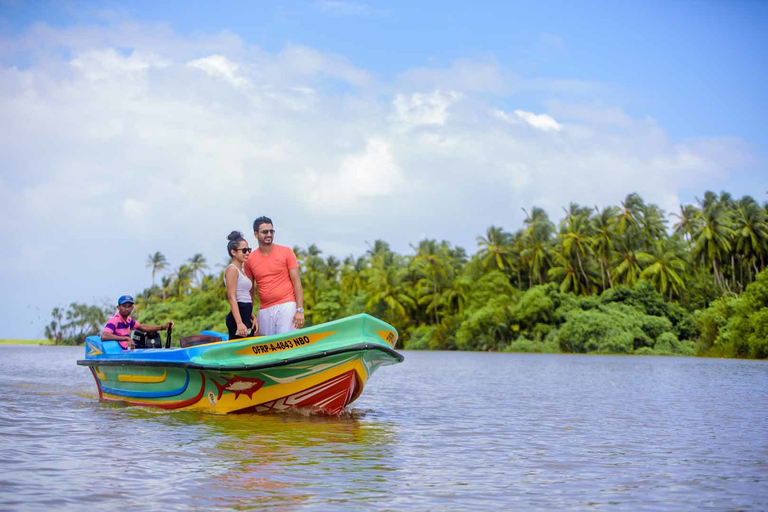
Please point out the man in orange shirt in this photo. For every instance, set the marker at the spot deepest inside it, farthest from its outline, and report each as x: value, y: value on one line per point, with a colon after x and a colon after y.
x: 274, y: 271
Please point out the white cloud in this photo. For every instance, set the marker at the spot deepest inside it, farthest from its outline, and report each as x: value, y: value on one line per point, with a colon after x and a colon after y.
x: 304, y: 62
x: 108, y: 64
x: 423, y: 109
x: 219, y: 66
x: 591, y: 114
x: 464, y: 75
x: 133, y: 209
x: 174, y: 143
x: 541, y: 122
x: 359, y: 178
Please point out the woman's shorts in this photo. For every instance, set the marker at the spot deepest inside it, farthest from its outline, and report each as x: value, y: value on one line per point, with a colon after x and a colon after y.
x: 246, y: 309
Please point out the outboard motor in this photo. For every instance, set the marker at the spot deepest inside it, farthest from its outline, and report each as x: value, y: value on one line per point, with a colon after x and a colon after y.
x: 146, y: 339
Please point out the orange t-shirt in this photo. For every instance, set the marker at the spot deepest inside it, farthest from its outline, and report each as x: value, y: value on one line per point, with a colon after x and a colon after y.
x: 273, y: 282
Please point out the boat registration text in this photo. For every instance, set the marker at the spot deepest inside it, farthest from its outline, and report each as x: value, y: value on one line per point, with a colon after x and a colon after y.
x: 279, y: 346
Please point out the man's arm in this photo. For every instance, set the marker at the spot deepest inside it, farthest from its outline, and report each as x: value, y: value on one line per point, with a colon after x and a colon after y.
x: 298, y: 291
x: 107, y: 335
x: 110, y: 336
x: 153, y: 328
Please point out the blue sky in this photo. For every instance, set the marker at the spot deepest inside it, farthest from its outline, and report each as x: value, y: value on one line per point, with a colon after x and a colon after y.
x: 700, y: 68
x: 163, y: 125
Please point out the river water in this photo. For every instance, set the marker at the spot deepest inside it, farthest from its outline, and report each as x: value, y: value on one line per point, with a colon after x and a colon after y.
x: 443, y: 430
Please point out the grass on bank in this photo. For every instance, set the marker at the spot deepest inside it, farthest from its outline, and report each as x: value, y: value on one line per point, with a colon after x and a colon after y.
x: 26, y: 342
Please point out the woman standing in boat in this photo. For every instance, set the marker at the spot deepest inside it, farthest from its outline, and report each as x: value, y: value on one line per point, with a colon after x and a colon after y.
x: 239, y: 289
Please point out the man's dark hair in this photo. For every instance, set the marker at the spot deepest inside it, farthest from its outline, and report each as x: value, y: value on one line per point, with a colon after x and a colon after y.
x: 261, y: 220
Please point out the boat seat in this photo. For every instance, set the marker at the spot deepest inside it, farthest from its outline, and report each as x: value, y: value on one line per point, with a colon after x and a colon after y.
x: 198, y: 339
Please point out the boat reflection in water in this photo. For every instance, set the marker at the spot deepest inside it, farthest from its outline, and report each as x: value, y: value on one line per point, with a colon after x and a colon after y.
x: 323, y: 368
x: 285, y: 458
x: 243, y: 461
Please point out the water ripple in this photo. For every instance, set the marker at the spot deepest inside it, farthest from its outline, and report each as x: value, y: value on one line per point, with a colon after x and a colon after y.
x: 443, y: 430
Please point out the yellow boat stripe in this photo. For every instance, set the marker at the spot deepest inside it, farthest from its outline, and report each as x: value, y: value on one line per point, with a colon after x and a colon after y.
x: 388, y: 336
x: 143, y: 378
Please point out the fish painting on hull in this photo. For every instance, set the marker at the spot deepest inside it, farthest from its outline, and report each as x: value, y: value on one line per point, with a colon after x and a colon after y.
x: 239, y: 386
x: 330, y: 396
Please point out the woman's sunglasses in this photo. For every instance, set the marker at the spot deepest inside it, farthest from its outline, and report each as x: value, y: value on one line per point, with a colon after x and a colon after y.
x: 245, y: 250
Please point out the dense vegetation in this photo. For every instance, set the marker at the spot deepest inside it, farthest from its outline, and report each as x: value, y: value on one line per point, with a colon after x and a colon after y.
x: 611, y: 280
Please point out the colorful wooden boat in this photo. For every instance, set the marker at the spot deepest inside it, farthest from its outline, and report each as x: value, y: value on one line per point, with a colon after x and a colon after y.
x: 324, y: 367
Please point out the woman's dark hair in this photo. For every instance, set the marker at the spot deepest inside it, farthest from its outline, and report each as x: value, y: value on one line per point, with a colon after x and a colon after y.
x: 234, y: 238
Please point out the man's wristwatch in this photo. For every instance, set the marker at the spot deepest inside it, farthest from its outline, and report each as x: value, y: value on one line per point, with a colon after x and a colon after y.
x: 300, y: 310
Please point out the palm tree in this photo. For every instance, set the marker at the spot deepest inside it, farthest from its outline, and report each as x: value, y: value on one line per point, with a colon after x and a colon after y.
x: 156, y: 262
x: 183, y: 280
x: 352, y: 276
x: 165, y: 285
x: 713, y: 238
x: 456, y: 255
x: 575, y: 237
x: 710, y: 198
x: 603, y: 226
x: 389, y: 290
x: 380, y: 251
x: 516, y: 256
x: 53, y: 331
x: 454, y: 298
x: 495, y: 248
x: 726, y: 199
x: 565, y: 272
x: 314, y: 283
x: 653, y: 224
x: 432, y: 263
x: 312, y: 260
x: 690, y: 219
x: 197, y: 264
x: 537, y: 243
x: 630, y: 213
x: 629, y: 262
x: 751, y: 233
x: 664, y: 272
x: 332, y: 265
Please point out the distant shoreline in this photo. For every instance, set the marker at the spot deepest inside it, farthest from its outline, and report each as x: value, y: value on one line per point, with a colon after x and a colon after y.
x: 26, y: 342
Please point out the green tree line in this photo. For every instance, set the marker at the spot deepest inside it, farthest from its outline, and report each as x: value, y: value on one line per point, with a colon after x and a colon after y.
x: 619, y: 279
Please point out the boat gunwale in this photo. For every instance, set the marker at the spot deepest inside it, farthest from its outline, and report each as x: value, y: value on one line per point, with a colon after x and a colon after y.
x: 248, y: 367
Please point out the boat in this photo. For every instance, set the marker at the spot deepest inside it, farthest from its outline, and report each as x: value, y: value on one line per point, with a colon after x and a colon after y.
x: 322, y: 368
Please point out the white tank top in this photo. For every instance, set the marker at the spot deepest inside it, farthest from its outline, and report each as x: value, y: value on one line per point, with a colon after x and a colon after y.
x: 244, y: 285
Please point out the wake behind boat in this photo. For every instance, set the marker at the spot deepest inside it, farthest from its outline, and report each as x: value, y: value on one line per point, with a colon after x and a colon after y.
x: 324, y: 367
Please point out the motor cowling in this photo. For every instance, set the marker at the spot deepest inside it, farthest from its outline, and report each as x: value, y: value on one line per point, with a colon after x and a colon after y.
x: 146, y: 339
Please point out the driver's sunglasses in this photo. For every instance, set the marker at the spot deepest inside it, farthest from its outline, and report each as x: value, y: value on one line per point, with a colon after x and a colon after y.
x: 245, y: 250
x: 267, y: 231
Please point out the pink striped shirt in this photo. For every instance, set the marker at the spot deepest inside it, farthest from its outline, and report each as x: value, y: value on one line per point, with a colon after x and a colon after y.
x: 119, y: 327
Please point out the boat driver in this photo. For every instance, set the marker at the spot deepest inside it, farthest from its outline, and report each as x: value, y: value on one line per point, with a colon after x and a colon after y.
x: 119, y: 327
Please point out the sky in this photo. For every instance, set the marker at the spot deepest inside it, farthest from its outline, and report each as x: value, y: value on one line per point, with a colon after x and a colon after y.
x: 163, y: 126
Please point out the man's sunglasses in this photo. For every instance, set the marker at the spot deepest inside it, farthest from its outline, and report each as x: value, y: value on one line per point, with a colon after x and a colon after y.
x: 267, y: 231
x: 245, y: 250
